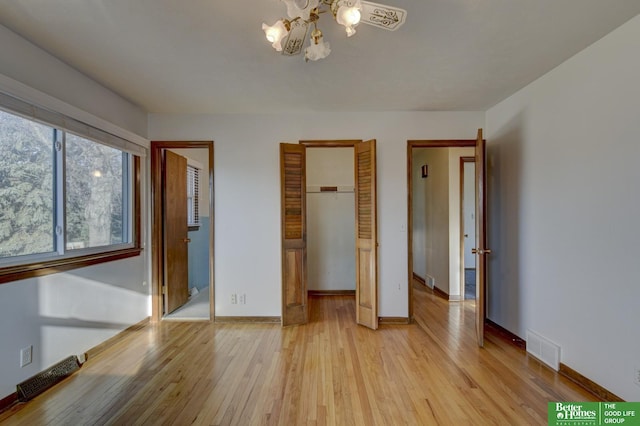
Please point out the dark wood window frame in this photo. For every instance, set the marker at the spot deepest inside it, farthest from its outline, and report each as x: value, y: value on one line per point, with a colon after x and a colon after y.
x: 47, y: 267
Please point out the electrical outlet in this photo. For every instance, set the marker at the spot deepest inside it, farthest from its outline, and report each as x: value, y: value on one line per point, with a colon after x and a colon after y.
x: 243, y: 299
x: 26, y: 356
x: 636, y: 376
x: 234, y: 299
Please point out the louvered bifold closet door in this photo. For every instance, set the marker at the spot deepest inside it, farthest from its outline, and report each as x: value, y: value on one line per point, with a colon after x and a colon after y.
x: 294, y: 234
x: 366, y: 235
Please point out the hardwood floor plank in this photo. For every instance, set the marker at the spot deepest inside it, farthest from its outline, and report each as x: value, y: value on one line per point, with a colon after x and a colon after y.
x: 327, y: 372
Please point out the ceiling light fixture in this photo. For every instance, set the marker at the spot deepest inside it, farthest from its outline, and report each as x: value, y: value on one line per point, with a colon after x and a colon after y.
x: 289, y: 35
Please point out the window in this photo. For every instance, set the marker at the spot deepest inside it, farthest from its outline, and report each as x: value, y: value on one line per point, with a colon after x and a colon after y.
x: 96, y: 194
x: 62, y: 197
x: 193, y: 179
x: 27, y: 189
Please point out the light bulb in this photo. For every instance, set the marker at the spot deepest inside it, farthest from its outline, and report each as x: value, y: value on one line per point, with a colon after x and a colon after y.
x: 352, y: 16
x: 272, y: 35
x: 275, y: 34
x: 349, y: 17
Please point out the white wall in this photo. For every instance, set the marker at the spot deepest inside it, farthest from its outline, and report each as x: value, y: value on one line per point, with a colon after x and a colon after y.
x: 419, y: 203
x: 331, y: 241
x: 247, y: 191
x: 564, y: 207
x: 330, y: 167
x: 437, y: 217
x: 67, y: 313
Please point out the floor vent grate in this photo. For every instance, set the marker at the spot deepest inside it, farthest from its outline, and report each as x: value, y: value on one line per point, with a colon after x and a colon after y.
x: 430, y: 282
x: 543, y: 349
x: 44, y: 380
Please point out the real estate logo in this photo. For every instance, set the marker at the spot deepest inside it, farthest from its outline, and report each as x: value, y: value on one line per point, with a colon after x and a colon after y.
x: 575, y: 413
x: 593, y: 413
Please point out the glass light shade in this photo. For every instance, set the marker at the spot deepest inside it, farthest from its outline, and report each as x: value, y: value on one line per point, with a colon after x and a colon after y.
x: 349, y: 17
x: 275, y: 34
x: 317, y: 50
x: 300, y: 8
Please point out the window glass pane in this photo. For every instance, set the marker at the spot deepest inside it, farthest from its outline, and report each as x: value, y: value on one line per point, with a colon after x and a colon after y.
x: 95, y: 175
x: 26, y: 187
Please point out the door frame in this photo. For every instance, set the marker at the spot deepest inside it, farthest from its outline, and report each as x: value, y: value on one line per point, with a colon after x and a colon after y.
x: 157, y: 258
x: 338, y: 143
x: 411, y: 144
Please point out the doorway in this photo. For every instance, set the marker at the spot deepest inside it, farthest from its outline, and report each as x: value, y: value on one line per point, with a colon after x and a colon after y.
x: 435, y: 232
x: 436, y: 228
x: 293, y: 164
x: 182, y: 230
x: 330, y: 221
x: 468, y: 227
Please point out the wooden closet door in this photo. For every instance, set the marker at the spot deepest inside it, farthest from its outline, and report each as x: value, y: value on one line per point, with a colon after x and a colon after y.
x: 366, y: 235
x: 294, y: 234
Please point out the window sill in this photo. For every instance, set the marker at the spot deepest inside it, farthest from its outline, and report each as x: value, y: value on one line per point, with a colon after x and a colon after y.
x: 39, y: 269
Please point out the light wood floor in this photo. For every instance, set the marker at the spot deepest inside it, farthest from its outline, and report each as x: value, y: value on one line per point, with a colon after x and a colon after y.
x: 327, y: 372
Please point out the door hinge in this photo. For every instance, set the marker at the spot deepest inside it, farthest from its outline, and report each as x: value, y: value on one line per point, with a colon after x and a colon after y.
x: 164, y: 289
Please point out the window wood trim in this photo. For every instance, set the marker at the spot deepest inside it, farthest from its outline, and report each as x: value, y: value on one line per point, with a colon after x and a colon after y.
x: 41, y: 268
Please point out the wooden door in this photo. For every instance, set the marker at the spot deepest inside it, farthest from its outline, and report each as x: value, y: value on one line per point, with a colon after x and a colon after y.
x: 366, y: 235
x: 176, y: 279
x: 294, y: 234
x: 481, y: 250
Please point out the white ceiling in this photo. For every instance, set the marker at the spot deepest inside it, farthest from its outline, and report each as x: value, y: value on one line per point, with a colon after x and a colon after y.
x: 210, y: 56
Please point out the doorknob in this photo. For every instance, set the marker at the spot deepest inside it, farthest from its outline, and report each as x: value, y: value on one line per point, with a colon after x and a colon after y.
x: 187, y: 240
x: 480, y: 251
x: 466, y: 235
